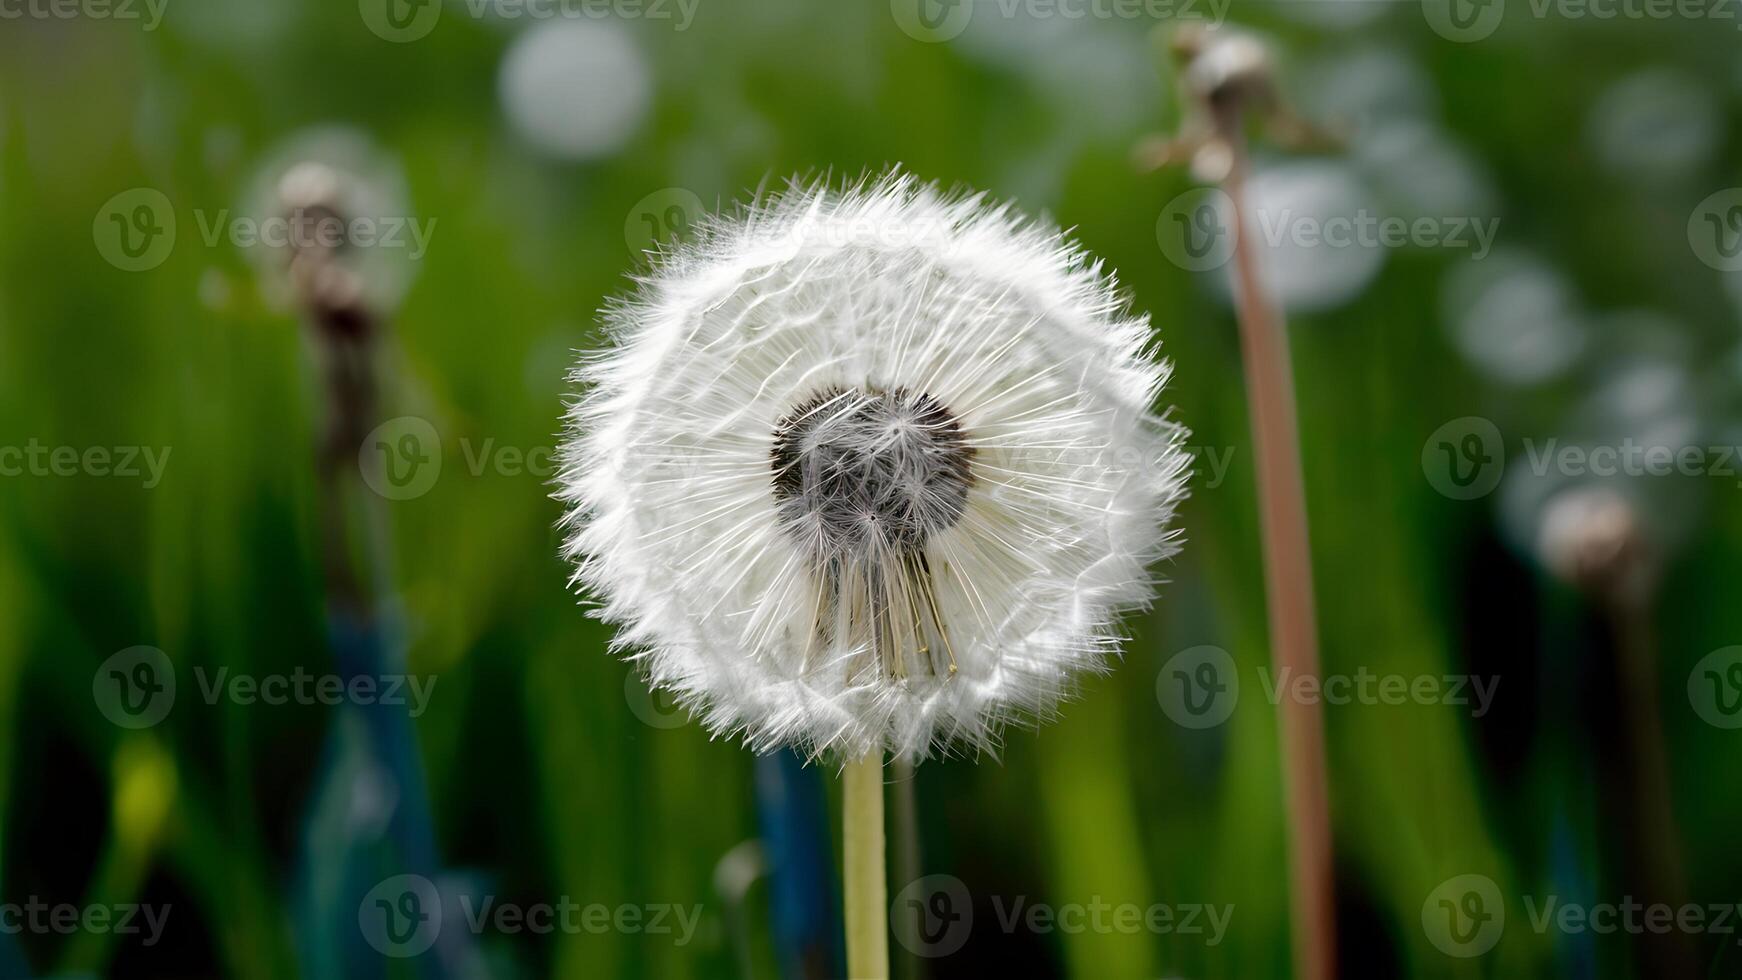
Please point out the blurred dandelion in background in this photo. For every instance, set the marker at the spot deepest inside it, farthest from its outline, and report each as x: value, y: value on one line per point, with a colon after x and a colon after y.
x: 1340, y: 15
x: 361, y: 188
x: 1421, y: 173
x: 1657, y: 127
x: 1648, y: 400
x: 1363, y: 89
x: 575, y: 89
x: 241, y: 30
x: 1307, y: 218
x: 1514, y: 318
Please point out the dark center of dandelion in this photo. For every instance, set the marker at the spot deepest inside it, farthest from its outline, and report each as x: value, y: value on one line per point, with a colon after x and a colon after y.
x: 866, y: 473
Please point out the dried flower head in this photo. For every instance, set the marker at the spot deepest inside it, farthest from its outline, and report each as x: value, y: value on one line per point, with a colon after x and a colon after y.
x: 1592, y: 538
x: 870, y: 469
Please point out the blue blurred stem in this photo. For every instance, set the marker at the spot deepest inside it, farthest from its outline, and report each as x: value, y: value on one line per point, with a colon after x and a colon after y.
x: 793, y: 815
x: 354, y: 549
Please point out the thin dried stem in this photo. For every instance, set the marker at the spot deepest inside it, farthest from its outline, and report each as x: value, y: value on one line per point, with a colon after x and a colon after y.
x: 1288, y: 580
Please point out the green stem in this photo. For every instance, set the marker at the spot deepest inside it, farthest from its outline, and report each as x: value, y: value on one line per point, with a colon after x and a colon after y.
x: 866, y: 893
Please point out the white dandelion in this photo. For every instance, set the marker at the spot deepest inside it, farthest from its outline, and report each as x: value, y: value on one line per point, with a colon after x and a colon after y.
x: 871, y: 471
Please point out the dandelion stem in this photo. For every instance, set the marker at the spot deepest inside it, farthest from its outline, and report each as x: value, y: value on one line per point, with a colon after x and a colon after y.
x: 1288, y: 583
x: 866, y: 893
x: 1655, y: 853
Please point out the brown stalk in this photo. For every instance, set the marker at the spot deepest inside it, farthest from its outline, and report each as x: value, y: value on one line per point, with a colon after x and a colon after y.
x: 1288, y: 588
x: 1226, y: 78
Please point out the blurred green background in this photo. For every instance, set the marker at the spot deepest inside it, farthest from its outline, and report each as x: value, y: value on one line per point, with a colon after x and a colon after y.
x: 540, y: 156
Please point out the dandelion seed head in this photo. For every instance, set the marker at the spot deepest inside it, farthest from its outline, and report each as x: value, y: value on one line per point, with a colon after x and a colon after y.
x: 856, y: 472
x: 870, y: 469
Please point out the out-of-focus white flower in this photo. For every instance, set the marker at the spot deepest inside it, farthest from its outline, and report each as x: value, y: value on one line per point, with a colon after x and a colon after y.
x: 1514, y: 317
x: 1306, y: 221
x: 1362, y: 90
x: 575, y: 89
x: 319, y: 186
x: 871, y: 469
x: 1591, y: 538
x: 1656, y: 126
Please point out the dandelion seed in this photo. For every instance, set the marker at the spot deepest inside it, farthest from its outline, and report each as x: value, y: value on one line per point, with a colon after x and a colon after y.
x: 871, y: 470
